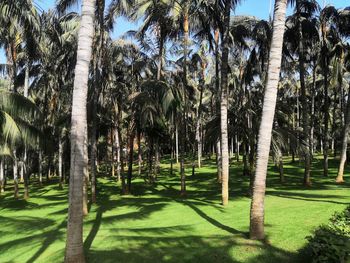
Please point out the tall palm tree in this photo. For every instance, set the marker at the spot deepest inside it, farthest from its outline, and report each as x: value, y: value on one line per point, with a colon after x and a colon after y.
x: 74, y: 243
x: 224, y: 147
x: 265, y: 132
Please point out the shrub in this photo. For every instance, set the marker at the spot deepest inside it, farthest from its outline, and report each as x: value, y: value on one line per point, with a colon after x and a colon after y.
x: 331, y: 243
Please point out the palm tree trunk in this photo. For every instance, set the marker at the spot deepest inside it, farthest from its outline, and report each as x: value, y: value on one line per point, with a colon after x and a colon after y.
x: 15, y: 174
x: 24, y: 163
x: 22, y: 170
x: 177, y: 143
x: 86, y: 177
x: 280, y: 167
x: 265, y: 131
x: 160, y: 59
x: 218, y: 161
x: 2, y: 176
x: 60, y: 162
x: 93, y: 147
x: 312, y: 130
x: 183, y: 117
x: 199, y: 120
x: 224, y: 105
x: 139, y: 153
x: 237, y: 148
x: 157, y: 160
x: 112, y: 152
x: 74, y: 252
x: 326, y: 103
x: 25, y: 176
x: 118, y: 149
x: 130, y: 162
x: 346, y: 130
x: 304, y: 103
x: 40, y: 168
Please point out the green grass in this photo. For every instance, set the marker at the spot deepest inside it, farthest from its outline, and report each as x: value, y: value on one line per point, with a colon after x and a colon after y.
x: 157, y: 225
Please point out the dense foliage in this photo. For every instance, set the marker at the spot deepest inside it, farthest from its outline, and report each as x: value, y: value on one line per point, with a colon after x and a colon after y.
x: 331, y: 242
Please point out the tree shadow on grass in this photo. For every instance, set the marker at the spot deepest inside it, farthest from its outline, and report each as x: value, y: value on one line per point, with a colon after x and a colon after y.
x: 50, y: 237
x: 308, y: 197
x: 186, y: 248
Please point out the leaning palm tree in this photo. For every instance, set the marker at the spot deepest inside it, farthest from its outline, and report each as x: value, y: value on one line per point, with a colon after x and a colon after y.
x: 265, y: 132
x: 79, y: 159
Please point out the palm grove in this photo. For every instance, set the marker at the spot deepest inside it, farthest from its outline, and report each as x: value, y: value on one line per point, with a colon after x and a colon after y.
x: 193, y: 82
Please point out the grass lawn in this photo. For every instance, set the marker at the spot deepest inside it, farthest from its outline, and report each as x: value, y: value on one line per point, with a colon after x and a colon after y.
x: 157, y: 225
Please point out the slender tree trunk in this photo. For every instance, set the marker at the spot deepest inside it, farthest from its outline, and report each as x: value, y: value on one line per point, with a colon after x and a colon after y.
x: 22, y: 170
x: 160, y: 59
x: 265, y: 131
x: 15, y: 174
x: 237, y: 147
x: 139, y: 153
x: 40, y: 167
x: 312, y: 131
x: 74, y: 243
x: 24, y: 163
x: 86, y: 177
x: 60, y: 162
x: 118, y: 149
x: 93, y: 147
x: 280, y: 167
x: 25, y: 177
x: 157, y: 160
x: 224, y: 105
x: 304, y: 102
x: 346, y: 130
x: 199, y: 143
x: 218, y: 161
x: 183, y: 117
x: 326, y: 106
x: 113, y: 152
x: 130, y: 163
x: 177, y: 143
x: 2, y: 176
x: 199, y: 120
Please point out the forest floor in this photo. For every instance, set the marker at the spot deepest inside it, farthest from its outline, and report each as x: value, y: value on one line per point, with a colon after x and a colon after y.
x: 156, y: 225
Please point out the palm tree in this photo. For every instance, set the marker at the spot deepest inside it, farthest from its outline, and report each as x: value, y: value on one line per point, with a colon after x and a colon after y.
x: 17, y: 115
x: 302, y: 71
x: 224, y: 147
x: 264, y: 139
x: 74, y: 243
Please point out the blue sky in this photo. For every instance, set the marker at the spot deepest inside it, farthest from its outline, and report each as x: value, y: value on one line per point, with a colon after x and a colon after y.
x: 258, y: 8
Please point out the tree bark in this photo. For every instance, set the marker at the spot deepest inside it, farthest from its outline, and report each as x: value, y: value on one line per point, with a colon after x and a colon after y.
x: 265, y: 131
x: 25, y: 175
x: 224, y: 105
x: 218, y: 161
x: 176, y: 144
x: 93, y: 147
x: 326, y: 104
x: 2, y: 176
x: 74, y: 252
x: 304, y: 102
x: 60, y: 162
x: 130, y: 162
x: 118, y: 149
x: 346, y: 130
x: 139, y: 153
x: 15, y: 174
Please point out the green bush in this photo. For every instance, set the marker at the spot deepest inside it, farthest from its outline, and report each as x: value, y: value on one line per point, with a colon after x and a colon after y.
x: 331, y: 242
